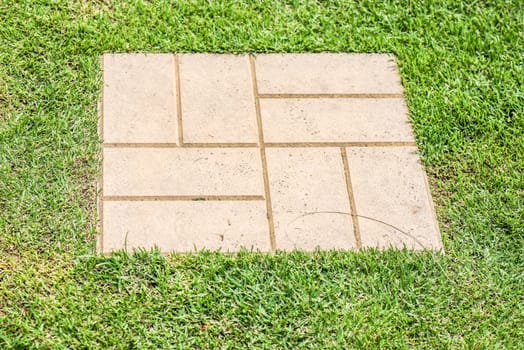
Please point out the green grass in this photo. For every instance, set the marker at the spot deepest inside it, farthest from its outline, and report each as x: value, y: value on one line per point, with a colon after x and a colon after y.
x: 462, y: 68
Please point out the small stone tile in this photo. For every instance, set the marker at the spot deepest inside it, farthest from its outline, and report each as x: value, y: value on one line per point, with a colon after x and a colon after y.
x: 185, y: 226
x: 327, y: 73
x: 335, y: 120
x: 309, y: 199
x: 139, y: 101
x: 217, y: 99
x: 177, y: 171
x: 392, y: 198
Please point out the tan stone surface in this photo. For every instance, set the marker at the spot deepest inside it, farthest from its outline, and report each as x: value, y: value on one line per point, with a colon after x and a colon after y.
x: 327, y: 73
x: 309, y: 199
x: 392, y: 200
x: 335, y: 120
x: 185, y: 226
x: 217, y: 99
x: 177, y: 171
x: 139, y: 104
x: 209, y: 192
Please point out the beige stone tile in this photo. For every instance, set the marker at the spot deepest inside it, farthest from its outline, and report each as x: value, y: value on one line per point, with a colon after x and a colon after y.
x: 139, y: 101
x: 309, y: 199
x: 184, y: 226
x: 327, y: 73
x: 217, y: 99
x: 178, y: 171
x: 393, y: 204
x: 335, y: 120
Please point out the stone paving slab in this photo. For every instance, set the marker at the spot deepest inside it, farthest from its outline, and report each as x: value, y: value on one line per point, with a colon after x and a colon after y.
x: 390, y: 189
x: 214, y: 225
x: 326, y: 120
x: 218, y: 103
x: 266, y: 152
x: 309, y: 199
x: 328, y: 73
x: 157, y: 171
x: 138, y: 100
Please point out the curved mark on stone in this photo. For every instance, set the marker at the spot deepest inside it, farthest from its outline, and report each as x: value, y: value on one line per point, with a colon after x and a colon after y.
x: 395, y: 228
x: 363, y: 217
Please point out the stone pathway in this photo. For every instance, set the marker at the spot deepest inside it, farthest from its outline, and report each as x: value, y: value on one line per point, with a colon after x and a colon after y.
x: 268, y: 152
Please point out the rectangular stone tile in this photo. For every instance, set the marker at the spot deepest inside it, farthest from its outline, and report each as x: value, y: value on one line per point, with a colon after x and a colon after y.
x: 182, y: 171
x: 185, y: 226
x: 327, y: 74
x: 217, y: 99
x: 309, y: 199
x: 393, y: 202
x: 139, y: 100
x: 335, y: 120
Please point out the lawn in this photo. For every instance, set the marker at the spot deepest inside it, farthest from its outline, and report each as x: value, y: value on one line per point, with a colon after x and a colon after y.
x: 462, y: 68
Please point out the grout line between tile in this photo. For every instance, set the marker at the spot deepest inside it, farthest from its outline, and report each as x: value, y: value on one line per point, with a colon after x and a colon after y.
x: 269, y: 209
x: 100, y: 192
x: 174, y: 145
x: 220, y: 145
x: 355, y: 95
x: 266, y: 145
x: 185, y: 198
x: 352, y: 204
x: 141, y: 145
x: 342, y: 144
x: 178, y: 97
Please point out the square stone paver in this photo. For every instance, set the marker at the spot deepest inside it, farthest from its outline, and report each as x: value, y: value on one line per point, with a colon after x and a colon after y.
x: 267, y: 152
